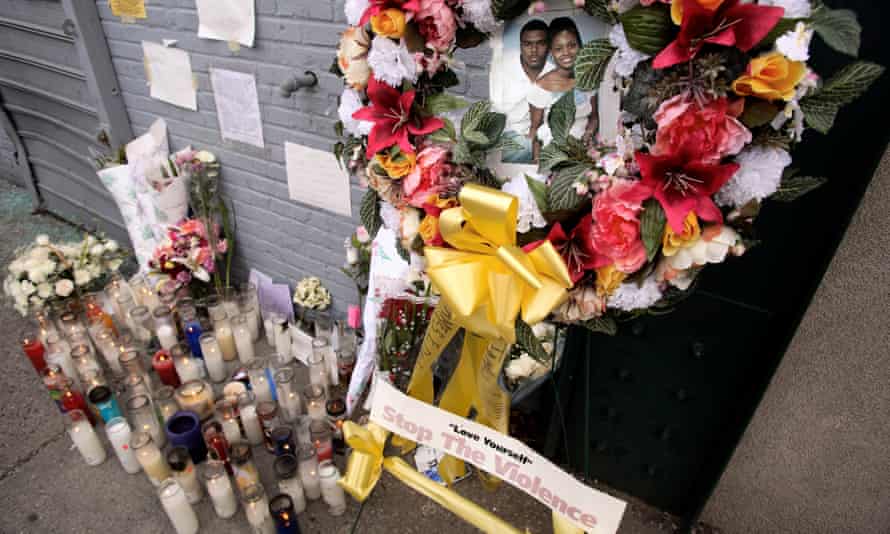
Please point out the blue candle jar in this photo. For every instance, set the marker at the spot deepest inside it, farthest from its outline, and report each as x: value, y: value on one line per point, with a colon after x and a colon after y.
x: 184, y: 429
x: 283, y: 440
x: 281, y: 508
x: 104, y: 401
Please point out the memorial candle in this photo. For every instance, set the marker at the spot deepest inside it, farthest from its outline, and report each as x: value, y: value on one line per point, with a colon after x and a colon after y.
x: 196, y: 396
x: 165, y: 328
x: 253, y: 324
x: 320, y: 431
x: 143, y: 418
x: 215, y: 439
x: 331, y: 491
x: 165, y: 403
x: 103, y: 399
x: 309, y: 473
x: 150, y: 458
x: 259, y: 382
x: 288, y: 397
x: 250, y: 305
x: 58, y: 352
x: 283, y: 512
x: 219, y: 487
x: 285, y: 468
x: 184, y: 472
x: 84, y: 437
x: 253, y: 430
x: 243, y: 339
x: 140, y: 323
x: 256, y: 508
x: 34, y: 350
x: 118, y: 431
x: 315, y: 402
x: 52, y: 379
x: 164, y: 366
x: 192, y: 328
x: 267, y: 413
x: 318, y: 369
x: 187, y: 368
x: 73, y: 400
x: 213, y: 358
x: 283, y: 438
x: 184, y: 429
x: 222, y: 327
x: 176, y: 504
x: 244, y: 469
x: 227, y: 414
x: 108, y: 348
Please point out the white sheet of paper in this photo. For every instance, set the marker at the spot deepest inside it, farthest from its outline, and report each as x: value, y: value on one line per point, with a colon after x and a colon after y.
x: 237, y: 106
x: 152, y: 142
x: 315, y: 178
x: 227, y: 20
x: 170, y: 75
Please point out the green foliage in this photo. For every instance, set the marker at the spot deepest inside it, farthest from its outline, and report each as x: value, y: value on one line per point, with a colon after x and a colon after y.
x: 821, y: 108
x: 600, y: 10
x: 551, y: 156
x: 590, y: 65
x: 446, y: 133
x: 652, y: 223
x: 601, y: 325
x: 562, y: 195
x: 839, y: 28
x: 480, y: 132
x: 369, y: 212
x: 508, y: 9
x: 529, y: 343
x: 539, y: 192
x: 758, y: 113
x: 795, y: 187
x: 649, y: 29
x: 439, y: 103
x: 561, y: 116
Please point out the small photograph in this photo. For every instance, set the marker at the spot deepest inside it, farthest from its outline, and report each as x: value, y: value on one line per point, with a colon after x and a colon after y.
x: 533, y: 65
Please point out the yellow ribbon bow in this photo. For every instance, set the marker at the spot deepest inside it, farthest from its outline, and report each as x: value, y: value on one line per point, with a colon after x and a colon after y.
x: 486, y: 280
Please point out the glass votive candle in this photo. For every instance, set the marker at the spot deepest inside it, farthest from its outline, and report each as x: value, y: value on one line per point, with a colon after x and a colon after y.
x: 140, y: 323
x: 337, y: 416
x: 227, y: 414
x: 304, y: 436
x: 73, y: 399
x: 213, y: 357
x: 245, y: 471
x: 222, y: 327
x: 243, y: 339
x: 259, y: 382
x: 324, y: 326
x: 267, y: 413
x: 345, y: 364
x: 94, y: 378
x: 248, y: 310
x: 320, y: 432
x: 184, y: 472
x: 219, y: 487
x: 184, y: 429
x: 107, y: 347
x: 253, y: 430
x: 284, y: 514
x: 150, y: 458
x: 131, y: 362
x: 249, y: 298
x: 84, y: 437
x: 175, y: 502
x: 256, y: 508
x: 308, y: 470
x: 315, y: 401
x: 318, y: 369
x: 165, y: 367
x: 165, y: 403
x: 285, y: 467
x: 196, y: 396
x: 280, y: 333
x: 118, y: 432
x: 165, y: 327
x: 135, y: 385
x: 217, y: 444
x: 143, y: 418
x: 34, y: 350
x: 71, y: 326
x: 191, y: 326
x: 283, y: 438
x: 233, y: 388
x: 187, y: 367
x: 288, y: 396
x: 45, y: 323
x: 82, y: 357
x: 52, y: 378
x: 58, y: 352
x: 331, y: 491
x: 106, y: 405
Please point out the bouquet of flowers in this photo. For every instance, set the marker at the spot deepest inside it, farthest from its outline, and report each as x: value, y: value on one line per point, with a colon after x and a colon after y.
x: 186, y: 255
x: 43, y: 271
x: 358, y: 259
x: 401, y: 325
x: 310, y: 294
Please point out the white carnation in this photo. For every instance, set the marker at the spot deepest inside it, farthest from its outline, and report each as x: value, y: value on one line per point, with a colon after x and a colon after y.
x: 350, y: 102
x: 111, y: 246
x: 64, y: 287
x: 44, y: 290
x: 36, y: 301
x: 82, y: 277
x: 758, y: 177
x: 114, y: 265
x: 17, y: 267
x: 28, y: 288
x: 795, y: 44
x: 794, y: 9
x: 478, y: 13
x: 391, y: 62
x: 630, y: 296
x: 38, y: 274
x: 529, y: 214
x: 205, y: 156
x: 97, y: 250
x: 354, y: 9
x: 628, y: 57
x: 42, y: 240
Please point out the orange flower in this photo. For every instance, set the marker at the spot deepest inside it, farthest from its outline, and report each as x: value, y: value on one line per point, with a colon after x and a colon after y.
x: 608, y: 279
x: 677, y: 8
x: 673, y: 242
x: 771, y: 77
x: 429, y: 229
x: 397, y: 166
x: 389, y: 23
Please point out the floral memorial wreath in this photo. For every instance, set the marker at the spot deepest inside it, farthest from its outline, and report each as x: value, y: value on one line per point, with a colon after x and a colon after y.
x: 626, y: 145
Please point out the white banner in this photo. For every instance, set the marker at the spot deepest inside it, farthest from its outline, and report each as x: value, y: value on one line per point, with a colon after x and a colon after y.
x: 500, y: 455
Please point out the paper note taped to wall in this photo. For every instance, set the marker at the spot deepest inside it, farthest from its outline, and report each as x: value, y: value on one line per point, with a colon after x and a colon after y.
x: 226, y: 20
x: 132, y: 9
x: 169, y: 72
x: 237, y: 106
x: 315, y: 178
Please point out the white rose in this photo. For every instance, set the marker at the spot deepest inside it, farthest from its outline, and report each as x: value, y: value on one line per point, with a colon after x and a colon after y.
x: 97, y: 250
x: 523, y: 367
x: 114, y: 265
x: 111, y: 246
x: 42, y: 240
x: 795, y: 45
x: 410, y: 226
x: 17, y: 267
x: 64, y: 287
x: 37, y: 275
x: 205, y: 156
x: 794, y: 9
x: 90, y: 240
x: 36, y: 301
x: 82, y: 277
x: 544, y: 330
x: 44, y: 290
x: 28, y: 288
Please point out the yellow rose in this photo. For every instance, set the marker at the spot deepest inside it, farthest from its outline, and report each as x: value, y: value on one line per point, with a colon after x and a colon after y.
x: 397, y: 166
x: 608, y: 279
x: 389, y: 23
x: 672, y: 242
x: 352, y: 57
x: 429, y: 229
x: 771, y: 76
x: 677, y: 8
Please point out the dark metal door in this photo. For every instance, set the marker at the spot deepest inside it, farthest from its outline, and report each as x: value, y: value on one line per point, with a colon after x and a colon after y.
x: 670, y: 396
x: 59, y: 93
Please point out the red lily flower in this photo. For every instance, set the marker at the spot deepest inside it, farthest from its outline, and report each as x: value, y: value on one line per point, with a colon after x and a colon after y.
x: 681, y: 186
x: 731, y: 24
x: 576, y: 248
x: 376, y: 6
x: 390, y: 111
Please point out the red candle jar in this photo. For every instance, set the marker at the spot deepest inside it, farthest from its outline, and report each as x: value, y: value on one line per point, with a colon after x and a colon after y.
x: 217, y: 444
x: 73, y: 400
x: 163, y: 365
x: 34, y: 350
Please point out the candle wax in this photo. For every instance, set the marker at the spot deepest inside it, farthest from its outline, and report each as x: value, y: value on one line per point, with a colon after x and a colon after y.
x: 87, y: 442
x: 223, y: 497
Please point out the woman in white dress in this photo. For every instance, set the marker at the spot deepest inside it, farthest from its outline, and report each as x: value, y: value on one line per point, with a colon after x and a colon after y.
x: 565, y: 43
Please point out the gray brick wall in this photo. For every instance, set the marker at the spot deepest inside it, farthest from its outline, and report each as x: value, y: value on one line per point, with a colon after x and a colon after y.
x: 286, y: 239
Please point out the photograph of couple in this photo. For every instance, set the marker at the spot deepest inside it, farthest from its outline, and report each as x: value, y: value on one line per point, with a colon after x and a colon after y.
x: 533, y: 66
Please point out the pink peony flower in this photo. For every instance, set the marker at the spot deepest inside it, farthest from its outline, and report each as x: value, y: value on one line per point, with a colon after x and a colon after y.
x: 707, y: 133
x: 428, y: 176
x: 436, y: 23
x: 616, y: 224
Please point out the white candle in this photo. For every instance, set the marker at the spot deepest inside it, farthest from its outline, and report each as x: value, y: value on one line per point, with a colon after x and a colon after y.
x: 304, y: 434
x: 259, y: 384
x: 294, y: 489
x: 86, y: 440
x: 118, y: 431
x: 315, y: 402
x: 309, y: 473
x: 219, y: 487
x: 233, y: 389
x: 244, y: 342
x: 196, y: 396
x: 290, y: 405
x: 253, y: 326
x: 213, y: 357
x: 226, y: 343
x: 63, y: 360
x: 269, y: 329
x: 282, y: 338
x: 150, y: 458
x: 251, y: 423
x: 232, y: 430
x: 187, y: 368
x: 257, y: 512
x: 167, y: 336
x: 231, y: 307
x: 178, y: 509
x: 331, y: 491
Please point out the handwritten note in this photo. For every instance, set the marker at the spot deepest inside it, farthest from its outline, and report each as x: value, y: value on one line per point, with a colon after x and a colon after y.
x: 315, y: 178
x: 227, y: 20
x: 237, y: 106
x: 128, y: 9
x: 169, y: 73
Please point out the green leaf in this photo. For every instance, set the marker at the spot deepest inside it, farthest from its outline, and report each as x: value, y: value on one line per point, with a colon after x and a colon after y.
x: 758, y: 113
x: 561, y: 195
x: 600, y: 10
x: 508, y: 9
x: 652, y: 223
x: 839, y: 28
x: 561, y: 117
x: 338, y: 128
x: 369, y: 212
x: 492, y: 125
x: 529, y: 343
x: 403, y: 252
x: 797, y: 186
x: 821, y: 108
x: 446, y: 133
x: 474, y: 116
x: 649, y: 29
x: 506, y: 144
x: 476, y: 137
x: 440, y: 103
x: 551, y: 156
x: 590, y: 65
x: 601, y: 325
x: 539, y: 192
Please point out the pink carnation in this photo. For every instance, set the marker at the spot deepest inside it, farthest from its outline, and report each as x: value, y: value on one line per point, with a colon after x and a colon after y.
x: 616, y: 225
x: 193, y: 226
x: 706, y: 132
x: 436, y: 23
x: 428, y: 176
